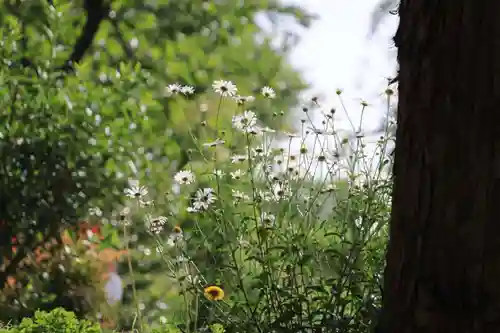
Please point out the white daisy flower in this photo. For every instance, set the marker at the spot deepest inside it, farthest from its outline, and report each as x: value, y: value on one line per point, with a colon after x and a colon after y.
x: 241, y: 100
x: 192, y: 210
x: 187, y: 90
x: 238, y: 158
x: 184, y: 177
x: 268, y: 92
x: 224, y: 88
x: 173, y: 89
x: 203, y: 199
x: 219, y: 173
x: 176, y: 237
x: 136, y: 191
x: 267, y: 220
x: 239, y: 196
x: 155, y: 225
x: 280, y: 191
x: 124, y: 212
x: 146, y: 203
x: 245, y: 121
x: 275, y: 176
x: 236, y: 175
x: 254, y: 130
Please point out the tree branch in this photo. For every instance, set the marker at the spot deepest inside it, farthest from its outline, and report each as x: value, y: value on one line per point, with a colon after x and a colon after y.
x: 97, y: 11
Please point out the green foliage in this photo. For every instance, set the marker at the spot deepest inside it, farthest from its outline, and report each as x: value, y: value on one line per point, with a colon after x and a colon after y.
x: 217, y: 328
x: 57, y: 158
x: 56, y: 321
x: 68, y: 138
x: 165, y: 329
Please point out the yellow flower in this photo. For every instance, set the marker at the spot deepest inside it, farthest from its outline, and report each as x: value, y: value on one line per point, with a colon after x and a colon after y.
x: 214, y: 293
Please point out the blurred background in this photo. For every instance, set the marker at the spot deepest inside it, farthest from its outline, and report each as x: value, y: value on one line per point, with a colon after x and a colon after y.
x: 342, y: 51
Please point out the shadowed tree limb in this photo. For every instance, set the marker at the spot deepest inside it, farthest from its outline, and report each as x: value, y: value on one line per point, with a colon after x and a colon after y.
x: 97, y: 11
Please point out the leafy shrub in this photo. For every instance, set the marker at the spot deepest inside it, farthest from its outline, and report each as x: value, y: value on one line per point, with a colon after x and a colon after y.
x: 56, y: 321
x: 56, y: 158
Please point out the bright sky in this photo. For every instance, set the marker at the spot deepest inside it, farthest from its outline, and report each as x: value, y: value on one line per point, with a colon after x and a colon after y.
x: 336, y: 52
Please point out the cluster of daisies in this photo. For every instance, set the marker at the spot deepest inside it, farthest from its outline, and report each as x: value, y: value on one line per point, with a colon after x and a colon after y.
x: 229, y: 89
x: 203, y: 199
x: 275, y: 167
x: 246, y: 122
x: 279, y: 188
x: 223, y: 88
x: 155, y: 225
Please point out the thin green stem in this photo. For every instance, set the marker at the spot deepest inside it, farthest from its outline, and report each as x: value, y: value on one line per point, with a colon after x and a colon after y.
x: 131, y: 272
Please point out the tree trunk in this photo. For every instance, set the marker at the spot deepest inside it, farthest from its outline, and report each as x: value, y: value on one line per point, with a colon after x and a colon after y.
x: 443, y: 260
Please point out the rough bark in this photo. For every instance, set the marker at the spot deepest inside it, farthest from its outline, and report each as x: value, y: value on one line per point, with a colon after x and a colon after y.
x: 443, y: 260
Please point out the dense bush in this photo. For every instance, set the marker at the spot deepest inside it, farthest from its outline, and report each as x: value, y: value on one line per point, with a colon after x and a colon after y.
x: 55, y: 321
